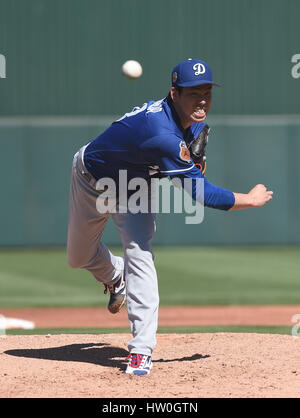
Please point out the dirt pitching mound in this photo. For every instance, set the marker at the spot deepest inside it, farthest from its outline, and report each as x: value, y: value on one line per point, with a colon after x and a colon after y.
x: 185, y: 365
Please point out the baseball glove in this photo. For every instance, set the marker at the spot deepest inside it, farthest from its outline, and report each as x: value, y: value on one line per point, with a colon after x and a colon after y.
x: 197, y: 149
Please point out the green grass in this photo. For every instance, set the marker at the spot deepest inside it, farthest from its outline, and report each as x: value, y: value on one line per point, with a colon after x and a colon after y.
x: 187, y: 276
x: 229, y: 275
x: 161, y: 330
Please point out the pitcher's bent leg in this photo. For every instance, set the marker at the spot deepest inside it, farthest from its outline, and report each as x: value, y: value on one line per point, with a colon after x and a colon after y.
x: 86, y: 225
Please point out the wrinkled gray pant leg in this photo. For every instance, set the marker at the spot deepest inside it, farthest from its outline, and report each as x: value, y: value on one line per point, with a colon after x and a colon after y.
x: 85, y: 229
x: 137, y: 231
x: 86, y: 226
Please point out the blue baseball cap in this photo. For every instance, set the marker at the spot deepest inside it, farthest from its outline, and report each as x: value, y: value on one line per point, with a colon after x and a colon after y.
x: 191, y: 73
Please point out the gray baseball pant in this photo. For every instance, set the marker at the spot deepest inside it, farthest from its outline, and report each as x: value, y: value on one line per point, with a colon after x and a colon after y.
x: 85, y: 250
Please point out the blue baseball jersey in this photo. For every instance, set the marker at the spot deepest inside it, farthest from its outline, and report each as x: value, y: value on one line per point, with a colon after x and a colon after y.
x: 149, y: 141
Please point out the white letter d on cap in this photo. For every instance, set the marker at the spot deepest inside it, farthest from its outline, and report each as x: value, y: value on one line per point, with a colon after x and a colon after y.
x: 199, y: 68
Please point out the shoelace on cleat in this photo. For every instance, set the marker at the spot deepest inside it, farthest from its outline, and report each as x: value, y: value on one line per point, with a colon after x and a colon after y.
x: 135, y: 360
x: 110, y: 288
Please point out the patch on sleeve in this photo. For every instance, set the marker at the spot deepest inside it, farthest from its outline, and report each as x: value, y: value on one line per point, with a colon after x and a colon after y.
x: 184, y: 153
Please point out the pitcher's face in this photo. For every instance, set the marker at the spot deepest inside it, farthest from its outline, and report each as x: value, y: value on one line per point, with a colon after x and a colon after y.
x: 192, y: 104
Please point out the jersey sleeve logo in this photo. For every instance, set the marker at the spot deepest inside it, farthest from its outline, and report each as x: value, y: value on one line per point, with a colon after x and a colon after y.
x: 184, y: 153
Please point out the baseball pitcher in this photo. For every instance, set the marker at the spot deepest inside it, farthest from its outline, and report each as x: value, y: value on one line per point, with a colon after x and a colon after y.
x: 165, y: 138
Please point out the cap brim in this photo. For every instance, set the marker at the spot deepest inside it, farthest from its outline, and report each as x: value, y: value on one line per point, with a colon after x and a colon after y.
x: 194, y: 83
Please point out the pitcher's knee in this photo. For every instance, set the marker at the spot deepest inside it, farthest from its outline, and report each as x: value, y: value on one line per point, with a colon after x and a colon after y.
x: 81, y: 260
x: 73, y: 263
x: 77, y: 260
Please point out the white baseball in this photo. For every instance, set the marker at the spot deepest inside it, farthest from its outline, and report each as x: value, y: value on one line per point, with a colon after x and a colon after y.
x: 132, y: 69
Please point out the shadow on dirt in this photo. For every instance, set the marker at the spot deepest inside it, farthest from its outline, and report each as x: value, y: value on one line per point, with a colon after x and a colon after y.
x: 100, y: 354
x: 190, y: 358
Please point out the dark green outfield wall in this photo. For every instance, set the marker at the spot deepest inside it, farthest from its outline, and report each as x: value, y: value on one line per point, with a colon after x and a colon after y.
x: 242, y: 151
x: 64, y: 56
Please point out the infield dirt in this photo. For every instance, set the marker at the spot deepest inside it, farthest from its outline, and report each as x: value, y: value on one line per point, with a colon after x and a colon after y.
x: 184, y: 365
